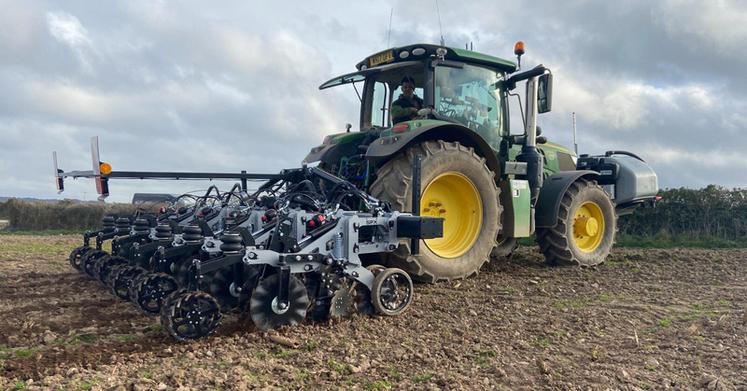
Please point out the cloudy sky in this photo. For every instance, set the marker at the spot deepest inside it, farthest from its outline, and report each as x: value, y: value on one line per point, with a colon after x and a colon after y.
x: 230, y: 86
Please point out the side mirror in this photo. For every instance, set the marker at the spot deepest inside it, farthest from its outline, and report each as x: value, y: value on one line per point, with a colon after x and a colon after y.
x: 544, y: 93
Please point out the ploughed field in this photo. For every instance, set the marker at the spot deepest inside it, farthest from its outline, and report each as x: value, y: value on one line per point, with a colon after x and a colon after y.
x: 646, y: 319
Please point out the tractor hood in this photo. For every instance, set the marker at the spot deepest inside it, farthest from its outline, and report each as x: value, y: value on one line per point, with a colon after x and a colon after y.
x: 331, y: 141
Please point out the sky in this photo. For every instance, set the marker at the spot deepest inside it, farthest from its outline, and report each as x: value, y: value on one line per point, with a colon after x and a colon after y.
x: 230, y: 86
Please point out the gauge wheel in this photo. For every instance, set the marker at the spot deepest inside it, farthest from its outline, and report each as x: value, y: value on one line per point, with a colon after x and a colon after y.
x: 391, y: 292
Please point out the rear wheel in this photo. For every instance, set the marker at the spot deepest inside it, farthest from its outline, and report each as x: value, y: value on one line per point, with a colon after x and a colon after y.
x: 585, y: 230
x: 455, y: 185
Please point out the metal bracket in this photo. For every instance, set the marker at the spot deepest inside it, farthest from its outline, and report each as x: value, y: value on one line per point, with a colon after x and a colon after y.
x: 284, y: 286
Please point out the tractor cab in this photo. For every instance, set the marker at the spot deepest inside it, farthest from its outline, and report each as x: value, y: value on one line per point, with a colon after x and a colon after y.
x: 464, y: 99
x: 457, y: 86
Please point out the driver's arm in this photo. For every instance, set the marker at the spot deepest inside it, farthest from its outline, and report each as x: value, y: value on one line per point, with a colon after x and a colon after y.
x: 399, y: 111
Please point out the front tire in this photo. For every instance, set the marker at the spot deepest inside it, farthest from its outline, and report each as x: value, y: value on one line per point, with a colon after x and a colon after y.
x: 504, y: 248
x: 585, y: 229
x: 456, y: 185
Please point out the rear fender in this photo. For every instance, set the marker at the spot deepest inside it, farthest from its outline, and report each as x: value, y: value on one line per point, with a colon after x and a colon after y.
x: 317, y: 153
x: 392, y: 144
x: 551, y: 193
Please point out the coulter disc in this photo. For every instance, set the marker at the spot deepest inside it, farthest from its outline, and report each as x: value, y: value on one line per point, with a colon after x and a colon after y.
x: 268, y: 313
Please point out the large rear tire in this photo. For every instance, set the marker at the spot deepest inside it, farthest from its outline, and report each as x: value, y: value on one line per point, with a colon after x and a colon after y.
x: 585, y: 230
x: 457, y: 185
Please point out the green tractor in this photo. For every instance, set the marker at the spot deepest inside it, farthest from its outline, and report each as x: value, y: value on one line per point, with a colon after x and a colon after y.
x: 490, y: 186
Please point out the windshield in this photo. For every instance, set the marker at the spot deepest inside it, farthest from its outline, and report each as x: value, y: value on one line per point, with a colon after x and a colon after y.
x: 468, y: 95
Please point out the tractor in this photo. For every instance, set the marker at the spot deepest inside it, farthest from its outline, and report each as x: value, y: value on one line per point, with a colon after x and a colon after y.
x: 456, y: 158
x: 432, y: 188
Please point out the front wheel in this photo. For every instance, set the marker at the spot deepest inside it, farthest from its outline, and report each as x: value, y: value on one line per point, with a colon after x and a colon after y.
x: 455, y: 185
x: 505, y: 247
x: 585, y: 229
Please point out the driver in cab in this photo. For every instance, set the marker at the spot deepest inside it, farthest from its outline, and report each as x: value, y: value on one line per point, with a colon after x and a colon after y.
x: 407, y: 105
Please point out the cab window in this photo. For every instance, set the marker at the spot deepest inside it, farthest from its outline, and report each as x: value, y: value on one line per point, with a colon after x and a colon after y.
x: 385, y: 90
x: 380, y: 108
x: 469, y: 96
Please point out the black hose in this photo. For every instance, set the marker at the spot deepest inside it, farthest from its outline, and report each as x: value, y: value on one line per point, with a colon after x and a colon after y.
x: 631, y: 154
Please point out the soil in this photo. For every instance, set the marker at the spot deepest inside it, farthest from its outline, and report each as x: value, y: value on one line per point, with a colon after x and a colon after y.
x: 645, y: 319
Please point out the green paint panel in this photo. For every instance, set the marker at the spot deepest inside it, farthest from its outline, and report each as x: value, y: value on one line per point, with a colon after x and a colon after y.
x: 549, y: 150
x: 520, y: 205
x: 347, y: 137
x: 556, y: 147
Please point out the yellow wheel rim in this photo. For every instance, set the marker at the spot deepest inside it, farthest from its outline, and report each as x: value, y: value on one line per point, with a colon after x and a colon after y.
x: 588, y: 226
x: 454, y: 197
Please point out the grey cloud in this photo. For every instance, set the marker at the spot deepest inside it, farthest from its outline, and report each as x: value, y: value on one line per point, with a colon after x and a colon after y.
x: 234, y: 86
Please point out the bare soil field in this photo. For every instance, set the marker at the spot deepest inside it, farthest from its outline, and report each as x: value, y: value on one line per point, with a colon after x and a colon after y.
x: 646, y: 319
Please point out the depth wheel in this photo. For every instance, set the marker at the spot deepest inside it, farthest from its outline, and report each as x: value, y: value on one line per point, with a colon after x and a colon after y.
x: 456, y: 185
x: 133, y: 284
x: 265, y: 310
x: 88, y: 263
x: 181, y: 270
x: 122, y: 278
x: 168, y: 302
x: 189, y: 316
x: 391, y: 292
x: 585, y: 229
x: 151, y: 290
x: 104, y: 266
x: 76, y: 256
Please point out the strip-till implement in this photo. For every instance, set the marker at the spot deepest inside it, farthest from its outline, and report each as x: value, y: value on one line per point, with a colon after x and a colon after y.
x: 306, y: 244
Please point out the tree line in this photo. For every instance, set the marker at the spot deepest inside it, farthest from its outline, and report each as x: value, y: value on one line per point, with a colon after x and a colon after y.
x: 693, y: 214
x: 38, y: 216
x: 689, y: 214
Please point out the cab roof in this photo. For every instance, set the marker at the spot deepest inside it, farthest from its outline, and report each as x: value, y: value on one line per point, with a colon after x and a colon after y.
x: 421, y: 51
